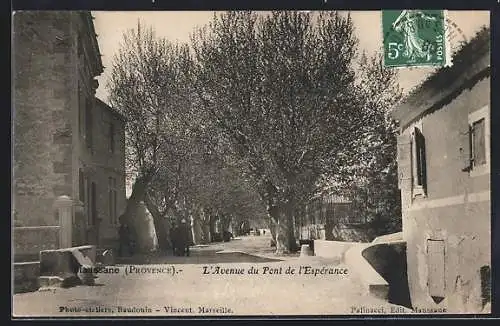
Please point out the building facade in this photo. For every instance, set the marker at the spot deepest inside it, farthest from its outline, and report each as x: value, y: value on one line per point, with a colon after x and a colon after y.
x: 444, y: 178
x: 66, y: 142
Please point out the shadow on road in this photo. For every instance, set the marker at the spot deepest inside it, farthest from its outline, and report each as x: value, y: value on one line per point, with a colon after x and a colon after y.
x: 197, y: 256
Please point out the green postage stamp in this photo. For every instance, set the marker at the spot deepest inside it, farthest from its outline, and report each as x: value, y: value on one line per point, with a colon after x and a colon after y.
x: 414, y: 38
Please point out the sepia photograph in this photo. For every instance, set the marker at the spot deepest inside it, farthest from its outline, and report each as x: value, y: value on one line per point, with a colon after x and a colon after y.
x: 250, y: 163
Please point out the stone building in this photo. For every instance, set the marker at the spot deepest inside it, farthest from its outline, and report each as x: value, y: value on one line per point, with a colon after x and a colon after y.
x: 66, y: 142
x: 444, y: 178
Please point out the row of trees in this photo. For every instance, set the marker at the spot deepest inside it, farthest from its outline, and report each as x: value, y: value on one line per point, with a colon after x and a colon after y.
x: 257, y: 111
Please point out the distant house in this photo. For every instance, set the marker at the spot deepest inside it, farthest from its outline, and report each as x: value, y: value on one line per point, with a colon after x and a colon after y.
x: 66, y: 142
x: 320, y: 215
x: 444, y: 177
x: 101, y: 171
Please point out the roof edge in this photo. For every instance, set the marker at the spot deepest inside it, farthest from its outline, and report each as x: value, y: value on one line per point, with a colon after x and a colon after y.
x: 115, y: 112
x: 469, y: 63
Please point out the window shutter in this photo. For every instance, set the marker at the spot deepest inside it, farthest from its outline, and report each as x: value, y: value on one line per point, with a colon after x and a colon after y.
x: 421, y: 158
x: 479, y: 143
x: 88, y: 123
x: 466, y: 149
x: 81, y: 186
x: 404, y: 161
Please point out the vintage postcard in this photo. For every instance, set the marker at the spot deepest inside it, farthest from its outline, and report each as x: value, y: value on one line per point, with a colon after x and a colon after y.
x: 251, y: 163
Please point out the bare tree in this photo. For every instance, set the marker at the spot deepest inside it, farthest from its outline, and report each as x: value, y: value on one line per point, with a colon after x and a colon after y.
x: 274, y: 97
x: 281, y: 88
x: 149, y: 85
x: 373, y: 183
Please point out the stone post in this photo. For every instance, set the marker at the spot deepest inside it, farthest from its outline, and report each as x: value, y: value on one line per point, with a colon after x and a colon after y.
x: 64, y: 206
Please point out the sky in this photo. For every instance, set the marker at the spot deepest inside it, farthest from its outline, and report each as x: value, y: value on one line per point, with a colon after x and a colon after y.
x: 178, y: 25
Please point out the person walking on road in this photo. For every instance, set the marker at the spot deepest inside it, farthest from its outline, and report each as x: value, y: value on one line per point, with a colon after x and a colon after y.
x: 125, y: 241
x: 182, y: 237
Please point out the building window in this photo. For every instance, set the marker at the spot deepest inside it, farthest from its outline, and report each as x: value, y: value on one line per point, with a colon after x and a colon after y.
x: 88, y: 124
x: 112, y: 200
x: 111, y: 137
x: 81, y: 186
x: 92, y: 204
x: 477, y: 147
x: 419, y: 166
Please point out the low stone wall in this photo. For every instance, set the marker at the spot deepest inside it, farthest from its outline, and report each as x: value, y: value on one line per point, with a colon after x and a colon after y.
x: 381, y: 269
x: 364, y: 272
x: 398, y: 236
x: 26, y: 276
x: 332, y: 249
x: 30, y: 240
x: 389, y: 261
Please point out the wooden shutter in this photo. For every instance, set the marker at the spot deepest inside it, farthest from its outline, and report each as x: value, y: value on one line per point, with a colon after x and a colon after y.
x: 436, y: 269
x: 479, y: 154
x: 111, y: 137
x: 466, y: 149
x: 404, y: 161
x: 421, y: 164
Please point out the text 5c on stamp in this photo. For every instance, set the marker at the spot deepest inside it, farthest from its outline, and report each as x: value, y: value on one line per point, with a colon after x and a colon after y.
x: 414, y: 38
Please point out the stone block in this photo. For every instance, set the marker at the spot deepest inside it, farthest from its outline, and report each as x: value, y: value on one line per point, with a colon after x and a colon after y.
x: 63, y: 267
x: 61, y: 189
x: 60, y: 262
x: 61, y: 167
x: 50, y: 281
x: 373, y: 283
x: 62, y: 137
x: 332, y: 249
x: 305, y: 250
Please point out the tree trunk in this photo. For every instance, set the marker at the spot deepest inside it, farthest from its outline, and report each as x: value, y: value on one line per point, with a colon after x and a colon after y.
x: 211, y: 227
x: 272, y: 228
x: 138, y: 194
x: 329, y: 221
x: 196, y: 229
x: 161, y: 226
x: 284, y: 228
x: 206, y: 233
x: 205, y: 226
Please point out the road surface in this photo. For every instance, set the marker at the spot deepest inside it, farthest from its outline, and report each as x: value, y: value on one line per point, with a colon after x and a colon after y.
x: 212, y: 284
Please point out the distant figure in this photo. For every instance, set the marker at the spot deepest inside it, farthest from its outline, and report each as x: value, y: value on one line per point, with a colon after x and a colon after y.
x: 180, y: 239
x: 125, y: 241
x: 226, y: 236
x: 173, y: 239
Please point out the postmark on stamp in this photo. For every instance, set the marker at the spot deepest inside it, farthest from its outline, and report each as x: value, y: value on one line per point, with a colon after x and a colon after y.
x: 414, y: 38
